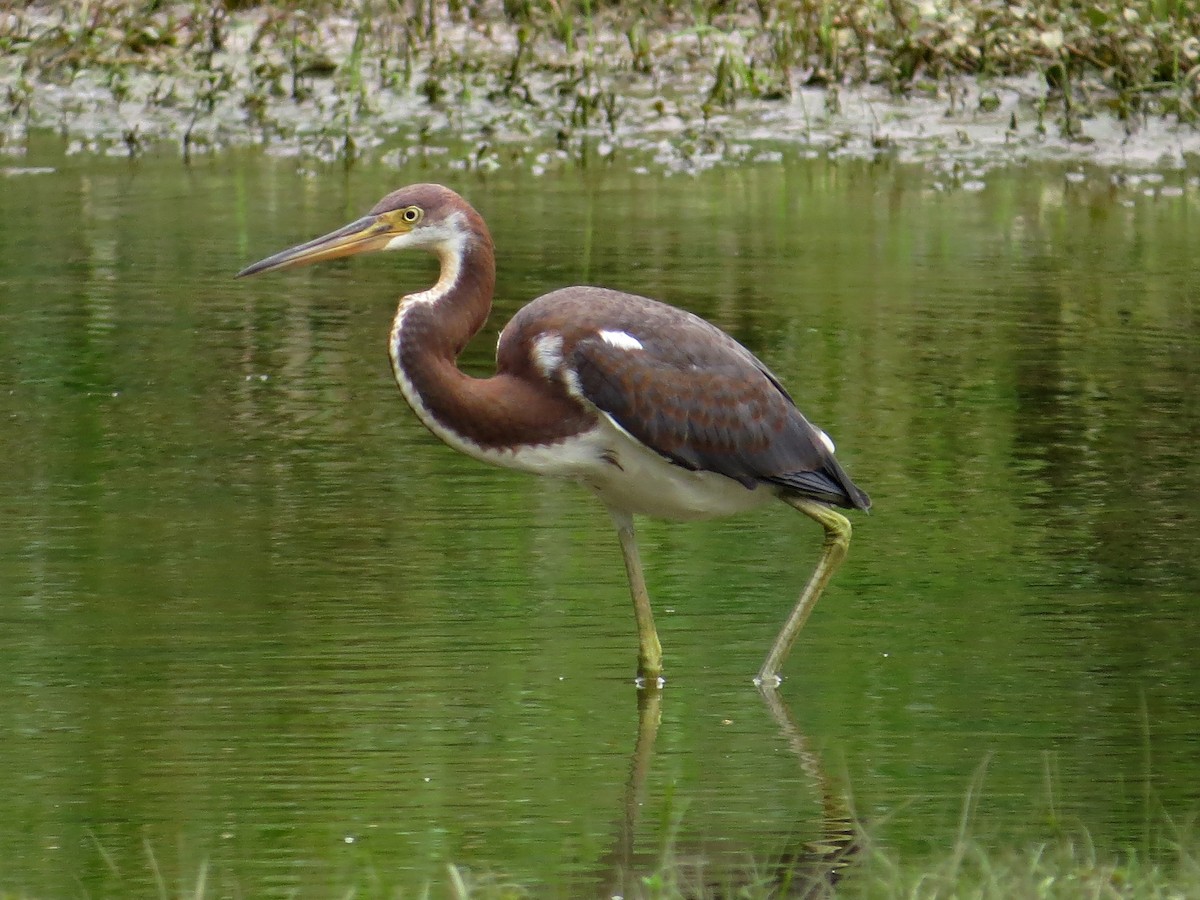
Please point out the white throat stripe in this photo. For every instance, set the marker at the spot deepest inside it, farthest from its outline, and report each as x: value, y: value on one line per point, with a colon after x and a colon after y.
x: 449, y: 241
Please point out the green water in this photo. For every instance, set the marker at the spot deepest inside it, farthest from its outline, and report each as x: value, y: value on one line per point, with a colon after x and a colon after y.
x: 262, y: 635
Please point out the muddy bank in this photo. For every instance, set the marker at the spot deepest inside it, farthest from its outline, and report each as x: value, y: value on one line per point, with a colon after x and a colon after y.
x: 478, y: 85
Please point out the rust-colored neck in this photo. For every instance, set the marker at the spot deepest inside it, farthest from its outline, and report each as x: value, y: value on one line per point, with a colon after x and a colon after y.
x: 432, y: 327
x: 451, y: 312
x: 479, y: 416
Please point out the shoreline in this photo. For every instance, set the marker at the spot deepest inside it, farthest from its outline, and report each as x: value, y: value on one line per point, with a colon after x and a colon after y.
x: 487, y: 89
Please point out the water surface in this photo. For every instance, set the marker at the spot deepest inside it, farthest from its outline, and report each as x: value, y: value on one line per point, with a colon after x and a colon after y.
x: 259, y: 631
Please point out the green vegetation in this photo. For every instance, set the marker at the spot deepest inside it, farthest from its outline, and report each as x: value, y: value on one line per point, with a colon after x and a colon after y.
x: 335, y: 78
x: 1060, y: 869
x: 1066, y: 868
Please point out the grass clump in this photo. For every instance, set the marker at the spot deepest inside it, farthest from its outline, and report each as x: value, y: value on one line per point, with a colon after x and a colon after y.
x: 1066, y: 868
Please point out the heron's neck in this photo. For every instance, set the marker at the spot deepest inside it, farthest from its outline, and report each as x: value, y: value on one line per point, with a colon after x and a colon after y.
x: 432, y: 327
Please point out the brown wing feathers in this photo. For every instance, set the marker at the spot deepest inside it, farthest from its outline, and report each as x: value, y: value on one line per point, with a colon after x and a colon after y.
x: 700, y: 399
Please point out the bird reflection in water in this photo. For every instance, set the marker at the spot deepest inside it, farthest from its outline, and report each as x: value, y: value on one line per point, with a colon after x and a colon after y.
x: 800, y: 868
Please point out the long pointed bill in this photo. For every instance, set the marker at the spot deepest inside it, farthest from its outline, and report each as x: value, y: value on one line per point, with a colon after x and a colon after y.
x: 361, y: 236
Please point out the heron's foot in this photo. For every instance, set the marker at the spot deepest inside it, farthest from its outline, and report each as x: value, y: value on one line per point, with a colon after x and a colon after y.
x: 650, y: 682
x: 767, y: 681
x: 650, y: 658
x: 650, y: 666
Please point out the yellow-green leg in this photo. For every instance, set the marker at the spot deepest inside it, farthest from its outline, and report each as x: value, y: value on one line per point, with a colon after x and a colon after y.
x: 837, y: 542
x: 649, y: 649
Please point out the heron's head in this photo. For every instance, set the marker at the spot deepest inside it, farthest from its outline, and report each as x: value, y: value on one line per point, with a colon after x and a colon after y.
x: 425, y: 216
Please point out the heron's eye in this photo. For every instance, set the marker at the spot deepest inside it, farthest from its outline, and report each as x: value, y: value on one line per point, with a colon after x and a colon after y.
x: 411, y: 215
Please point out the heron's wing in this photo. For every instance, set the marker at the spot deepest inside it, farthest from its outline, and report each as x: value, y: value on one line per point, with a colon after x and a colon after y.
x: 706, y: 403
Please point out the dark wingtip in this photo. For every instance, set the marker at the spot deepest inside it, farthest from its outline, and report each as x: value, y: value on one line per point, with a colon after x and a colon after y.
x: 823, y: 486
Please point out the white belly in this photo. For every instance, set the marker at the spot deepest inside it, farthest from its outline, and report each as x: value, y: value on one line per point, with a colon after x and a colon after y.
x: 627, y: 476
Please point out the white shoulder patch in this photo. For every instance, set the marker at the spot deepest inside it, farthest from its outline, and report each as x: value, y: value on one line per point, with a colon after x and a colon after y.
x: 826, y: 440
x: 548, y: 353
x: 622, y: 340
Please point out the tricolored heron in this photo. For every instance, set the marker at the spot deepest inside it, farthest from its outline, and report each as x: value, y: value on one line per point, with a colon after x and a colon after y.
x: 657, y: 411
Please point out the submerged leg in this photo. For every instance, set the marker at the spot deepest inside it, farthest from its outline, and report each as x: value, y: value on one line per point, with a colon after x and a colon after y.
x: 837, y: 542
x: 649, y: 649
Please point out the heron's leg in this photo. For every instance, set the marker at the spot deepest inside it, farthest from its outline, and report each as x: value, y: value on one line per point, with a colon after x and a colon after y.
x: 837, y: 542
x: 649, y: 649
